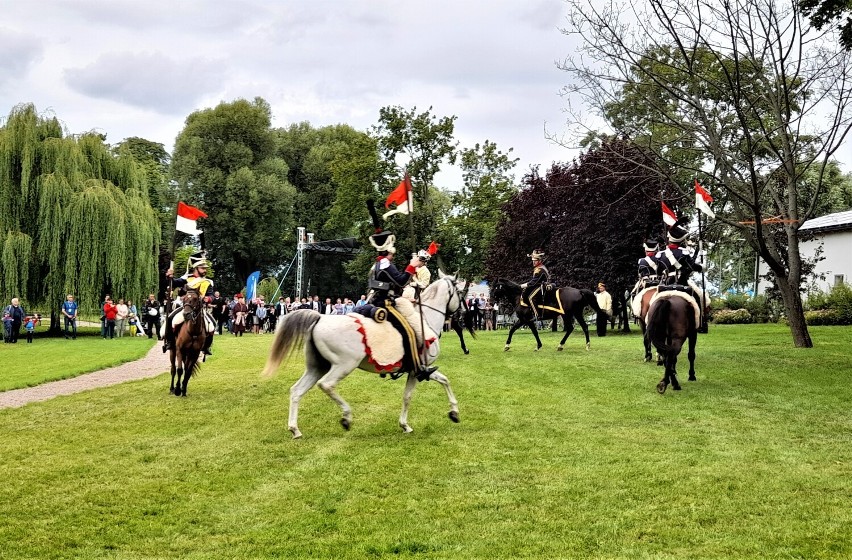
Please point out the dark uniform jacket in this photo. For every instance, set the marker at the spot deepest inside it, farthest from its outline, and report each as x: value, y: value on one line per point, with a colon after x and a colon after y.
x: 678, y: 265
x: 386, y: 280
x: 650, y: 269
x: 540, y: 276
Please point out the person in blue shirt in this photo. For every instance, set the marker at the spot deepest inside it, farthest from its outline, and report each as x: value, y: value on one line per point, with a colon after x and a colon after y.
x: 69, y: 316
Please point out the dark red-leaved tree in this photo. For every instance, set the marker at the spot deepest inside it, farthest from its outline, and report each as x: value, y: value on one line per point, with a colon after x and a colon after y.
x: 590, y: 218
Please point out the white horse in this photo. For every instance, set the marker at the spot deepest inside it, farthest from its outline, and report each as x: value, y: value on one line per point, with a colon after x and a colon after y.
x: 336, y: 345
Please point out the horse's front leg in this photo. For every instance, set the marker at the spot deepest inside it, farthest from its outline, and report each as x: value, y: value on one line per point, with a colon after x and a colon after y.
x: 515, y: 327
x: 180, y: 370
x: 172, y: 358
x: 454, y: 404
x: 410, y: 384
x: 189, y: 366
x: 535, y: 334
x: 460, y: 331
x: 645, y: 341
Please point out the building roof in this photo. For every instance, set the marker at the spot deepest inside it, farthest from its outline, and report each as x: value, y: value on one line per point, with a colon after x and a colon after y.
x: 830, y: 222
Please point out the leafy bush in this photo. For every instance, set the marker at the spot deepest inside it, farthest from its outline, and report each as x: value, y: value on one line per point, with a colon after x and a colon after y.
x: 822, y: 317
x: 833, y: 308
x: 760, y: 308
x: 731, y: 316
x: 736, y: 301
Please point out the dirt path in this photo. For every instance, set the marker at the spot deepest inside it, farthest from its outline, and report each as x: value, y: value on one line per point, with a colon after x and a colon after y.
x: 153, y: 364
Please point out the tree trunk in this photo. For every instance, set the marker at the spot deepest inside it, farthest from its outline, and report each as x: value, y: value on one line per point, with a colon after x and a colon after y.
x: 55, y: 318
x: 795, y: 313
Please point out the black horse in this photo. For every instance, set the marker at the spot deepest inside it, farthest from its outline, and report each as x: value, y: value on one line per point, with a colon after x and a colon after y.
x: 568, y: 303
x: 672, y: 321
x: 461, y: 320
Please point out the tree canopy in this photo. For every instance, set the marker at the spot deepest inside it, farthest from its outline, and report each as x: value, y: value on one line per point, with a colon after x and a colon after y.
x: 225, y: 162
x: 74, y: 216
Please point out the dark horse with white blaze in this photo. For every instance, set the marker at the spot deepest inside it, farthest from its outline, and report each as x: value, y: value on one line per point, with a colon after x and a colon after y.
x: 671, y: 321
x: 189, y: 341
x: 336, y: 345
x: 568, y: 303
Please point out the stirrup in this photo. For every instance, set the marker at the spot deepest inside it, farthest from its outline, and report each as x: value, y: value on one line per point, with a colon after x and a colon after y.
x: 425, y: 371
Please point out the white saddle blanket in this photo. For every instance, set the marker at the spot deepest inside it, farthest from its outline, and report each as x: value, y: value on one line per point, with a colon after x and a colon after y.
x: 382, y: 342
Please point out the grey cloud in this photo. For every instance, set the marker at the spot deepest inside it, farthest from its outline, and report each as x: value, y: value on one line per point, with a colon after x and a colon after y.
x: 18, y: 52
x: 148, y: 80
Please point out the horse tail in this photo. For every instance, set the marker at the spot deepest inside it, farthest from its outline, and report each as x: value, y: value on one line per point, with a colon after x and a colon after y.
x: 289, y: 336
x: 657, y: 328
x: 590, y: 299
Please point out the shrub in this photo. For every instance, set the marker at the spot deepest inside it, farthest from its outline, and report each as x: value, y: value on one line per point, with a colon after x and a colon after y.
x: 736, y: 301
x: 822, y: 317
x: 730, y: 316
x: 760, y: 309
x: 840, y: 301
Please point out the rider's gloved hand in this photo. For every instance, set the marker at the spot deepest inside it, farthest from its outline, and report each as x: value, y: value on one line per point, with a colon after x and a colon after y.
x: 524, y: 286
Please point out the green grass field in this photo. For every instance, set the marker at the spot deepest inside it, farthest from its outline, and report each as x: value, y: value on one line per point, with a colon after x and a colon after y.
x: 558, y: 455
x: 53, y: 358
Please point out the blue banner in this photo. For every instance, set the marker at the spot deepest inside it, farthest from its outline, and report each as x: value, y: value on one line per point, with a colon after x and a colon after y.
x: 251, y: 285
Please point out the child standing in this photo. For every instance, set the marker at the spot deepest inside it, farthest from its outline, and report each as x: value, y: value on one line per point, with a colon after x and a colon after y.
x: 7, y: 328
x: 131, y: 320
x: 30, y: 325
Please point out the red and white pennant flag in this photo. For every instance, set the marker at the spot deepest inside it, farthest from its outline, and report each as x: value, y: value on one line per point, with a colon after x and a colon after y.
x: 669, y: 217
x: 186, y: 218
x: 402, y: 197
x: 703, y: 199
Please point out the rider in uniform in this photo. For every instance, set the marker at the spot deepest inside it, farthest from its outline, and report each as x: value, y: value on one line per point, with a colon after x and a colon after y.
x: 386, y: 283
x: 649, y: 267
x: 677, y: 265
x: 421, y: 278
x: 540, y: 278
x: 197, y: 281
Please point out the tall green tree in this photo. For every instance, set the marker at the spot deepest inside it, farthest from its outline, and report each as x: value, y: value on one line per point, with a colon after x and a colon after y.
x: 488, y: 183
x: 418, y: 143
x: 225, y: 161
x: 590, y: 218
x: 733, y: 94
x: 74, y: 217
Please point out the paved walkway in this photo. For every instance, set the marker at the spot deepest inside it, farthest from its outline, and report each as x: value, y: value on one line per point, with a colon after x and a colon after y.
x: 153, y: 364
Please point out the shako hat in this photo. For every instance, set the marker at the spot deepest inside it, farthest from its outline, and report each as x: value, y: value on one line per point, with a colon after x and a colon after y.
x: 651, y: 245
x: 197, y: 259
x: 382, y: 240
x: 536, y: 255
x: 677, y: 234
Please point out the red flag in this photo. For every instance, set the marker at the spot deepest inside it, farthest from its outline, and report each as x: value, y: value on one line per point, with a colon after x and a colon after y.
x: 433, y: 248
x: 668, y: 216
x: 401, y: 196
x: 186, y: 218
x: 703, y: 199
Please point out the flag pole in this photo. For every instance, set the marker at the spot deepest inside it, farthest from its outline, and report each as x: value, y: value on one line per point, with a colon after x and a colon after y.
x: 172, y: 262
x: 410, y: 193
x: 703, y: 260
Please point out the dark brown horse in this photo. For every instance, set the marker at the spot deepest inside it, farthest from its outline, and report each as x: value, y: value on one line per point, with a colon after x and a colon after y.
x: 189, y: 341
x: 671, y: 322
x: 569, y: 304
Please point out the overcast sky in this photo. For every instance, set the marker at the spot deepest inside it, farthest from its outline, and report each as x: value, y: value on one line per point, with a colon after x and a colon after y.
x: 139, y: 68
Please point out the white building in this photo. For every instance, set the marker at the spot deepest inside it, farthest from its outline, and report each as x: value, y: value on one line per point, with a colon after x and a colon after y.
x: 834, y: 233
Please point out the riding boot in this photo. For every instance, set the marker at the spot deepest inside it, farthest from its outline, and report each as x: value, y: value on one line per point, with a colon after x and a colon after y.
x: 207, y: 342
x: 704, y: 328
x: 423, y: 372
x: 167, y: 340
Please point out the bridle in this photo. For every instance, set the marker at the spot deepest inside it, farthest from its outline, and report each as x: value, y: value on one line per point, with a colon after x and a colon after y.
x: 194, y: 310
x: 452, y: 291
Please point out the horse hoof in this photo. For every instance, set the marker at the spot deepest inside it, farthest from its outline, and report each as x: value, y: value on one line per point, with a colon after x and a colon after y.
x: 661, y: 387
x: 506, y: 348
x: 454, y: 416
x: 296, y: 433
x: 537, y: 349
x: 183, y: 394
x: 466, y: 352
x: 692, y: 378
x: 675, y: 387
x: 406, y: 429
x: 171, y: 391
x: 345, y: 423
x: 176, y: 393
x: 588, y: 347
x: 560, y: 348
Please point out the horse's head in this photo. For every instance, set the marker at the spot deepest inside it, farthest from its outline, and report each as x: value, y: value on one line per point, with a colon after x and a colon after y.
x: 454, y: 297
x: 192, y: 305
x: 504, y: 290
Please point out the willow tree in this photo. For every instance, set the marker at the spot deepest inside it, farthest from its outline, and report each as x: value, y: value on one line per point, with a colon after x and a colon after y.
x: 74, y: 217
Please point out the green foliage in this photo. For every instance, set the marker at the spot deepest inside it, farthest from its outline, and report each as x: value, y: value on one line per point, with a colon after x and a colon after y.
x: 835, y: 12
x: 832, y: 308
x: 76, y: 217
x: 731, y: 316
x: 267, y: 288
x: 477, y: 208
x: 225, y: 162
